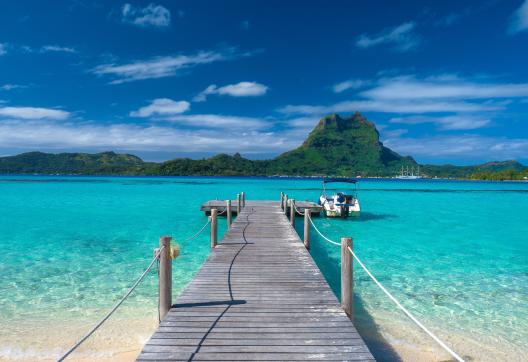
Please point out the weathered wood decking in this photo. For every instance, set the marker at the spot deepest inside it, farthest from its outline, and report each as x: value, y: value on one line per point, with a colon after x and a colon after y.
x: 220, y: 205
x: 259, y: 296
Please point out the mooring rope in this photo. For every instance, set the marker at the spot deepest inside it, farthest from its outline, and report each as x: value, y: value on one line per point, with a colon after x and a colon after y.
x: 391, y: 297
x: 118, y: 304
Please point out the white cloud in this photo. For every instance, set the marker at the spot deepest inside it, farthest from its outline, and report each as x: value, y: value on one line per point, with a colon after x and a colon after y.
x: 162, y: 107
x: 384, y: 106
x: 349, y: 84
x: 242, y: 89
x: 456, y: 122
x: 219, y: 121
x: 133, y: 137
x: 33, y: 113
x: 3, y: 48
x: 442, y: 93
x: 443, y: 87
x: 402, y: 38
x: 8, y: 87
x: 57, y: 48
x: 160, y: 67
x: 519, y: 21
x: 466, y: 146
x: 151, y: 15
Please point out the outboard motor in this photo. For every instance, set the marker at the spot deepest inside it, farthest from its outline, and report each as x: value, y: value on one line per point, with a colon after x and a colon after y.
x: 345, y: 209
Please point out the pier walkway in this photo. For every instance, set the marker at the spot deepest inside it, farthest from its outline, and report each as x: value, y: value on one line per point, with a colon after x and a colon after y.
x: 259, y: 296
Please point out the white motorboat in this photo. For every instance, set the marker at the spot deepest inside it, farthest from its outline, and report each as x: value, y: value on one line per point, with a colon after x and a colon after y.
x: 340, y: 204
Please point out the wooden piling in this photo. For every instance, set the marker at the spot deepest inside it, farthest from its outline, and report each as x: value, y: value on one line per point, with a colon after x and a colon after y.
x: 292, y: 212
x: 214, y: 227
x: 347, y: 286
x: 243, y: 197
x: 282, y: 200
x: 285, y: 204
x: 165, y: 276
x: 228, y: 214
x: 238, y: 204
x: 306, y: 234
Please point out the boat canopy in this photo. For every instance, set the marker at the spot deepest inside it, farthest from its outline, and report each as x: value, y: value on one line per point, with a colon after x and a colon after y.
x: 343, y: 179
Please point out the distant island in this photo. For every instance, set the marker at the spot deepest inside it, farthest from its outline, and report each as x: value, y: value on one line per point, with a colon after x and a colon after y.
x: 337, y: 146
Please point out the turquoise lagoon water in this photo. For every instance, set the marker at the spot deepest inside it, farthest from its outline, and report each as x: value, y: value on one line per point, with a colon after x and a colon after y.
x: 455, y: 253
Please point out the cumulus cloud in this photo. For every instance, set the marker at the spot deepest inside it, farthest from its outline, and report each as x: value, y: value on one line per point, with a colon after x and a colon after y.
x: 151, y: 15
x: 241, y: 89
x: 519, y: 21
x: 162, y: 107
x: 401, y: 38
x: 33, y: 113
x: 160, y: 67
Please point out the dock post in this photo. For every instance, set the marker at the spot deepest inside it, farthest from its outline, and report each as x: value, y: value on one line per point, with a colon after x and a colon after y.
x: 285, y: 204
x: 306, y: 235
x: 347, y: 286
x: 243, y: 197
x: 238, y: 204
x: 292, y: 212
x: 282, y: 200
x: 228, y: 213
x: 214, y: 227
x: 165, y: 276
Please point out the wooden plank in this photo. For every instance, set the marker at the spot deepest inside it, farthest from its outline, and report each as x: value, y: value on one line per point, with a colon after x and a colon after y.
x: 259, y: 296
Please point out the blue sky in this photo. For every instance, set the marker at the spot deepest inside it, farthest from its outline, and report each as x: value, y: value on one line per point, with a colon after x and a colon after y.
x: 443, y: 81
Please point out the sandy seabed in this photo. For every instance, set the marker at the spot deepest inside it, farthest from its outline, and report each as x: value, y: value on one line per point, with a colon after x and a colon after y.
x: 121, y: 340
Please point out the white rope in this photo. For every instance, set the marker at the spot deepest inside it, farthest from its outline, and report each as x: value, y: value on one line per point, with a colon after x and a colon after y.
x: 199, y: 231
x: 324, y: 237
x: 398, y: 304
x: 297, y: 210
x: 139, y: 280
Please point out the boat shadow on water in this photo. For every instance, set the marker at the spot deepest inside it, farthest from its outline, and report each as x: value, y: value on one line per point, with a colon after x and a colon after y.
x: 363, y: 321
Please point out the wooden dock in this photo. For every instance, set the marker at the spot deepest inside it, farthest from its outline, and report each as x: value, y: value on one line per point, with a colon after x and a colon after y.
x: 220, y: 205
x: 259, y: 296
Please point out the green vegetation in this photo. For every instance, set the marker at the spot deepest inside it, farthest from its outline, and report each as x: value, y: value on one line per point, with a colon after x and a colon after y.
x: 72, y: 163
x: 471, y: 172
x: 342, y: 147
x: 500, y: 175
x: 336, y: 146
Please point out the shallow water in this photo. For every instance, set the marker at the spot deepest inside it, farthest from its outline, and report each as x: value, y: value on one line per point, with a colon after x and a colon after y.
x: 455, y: 253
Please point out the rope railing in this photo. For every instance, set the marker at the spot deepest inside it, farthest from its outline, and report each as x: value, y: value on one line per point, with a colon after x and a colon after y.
x: 298, y: 211
x: 321, y: 234
x: 393, y: 299
x: 134, y: 286
x: 199, y: 231
x: 116, y: 306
